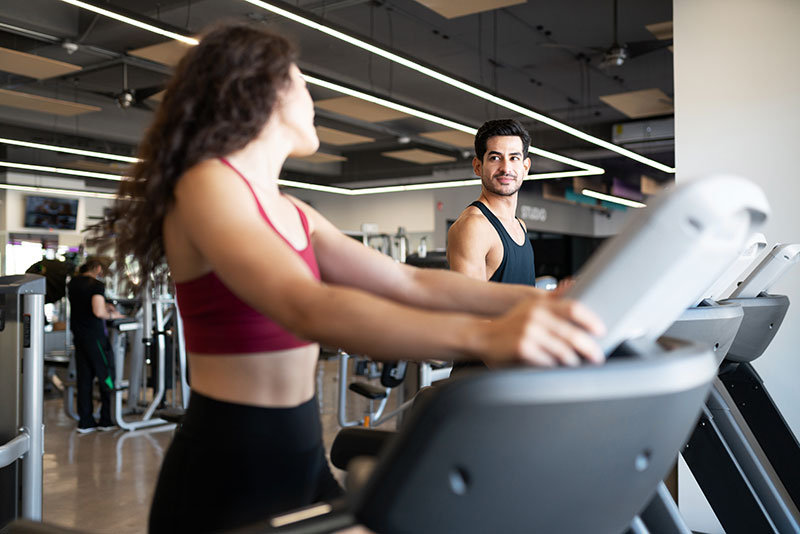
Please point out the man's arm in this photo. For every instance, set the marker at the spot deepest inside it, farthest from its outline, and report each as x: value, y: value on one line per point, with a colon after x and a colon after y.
x: 468, y: 244
x: 101, y: 311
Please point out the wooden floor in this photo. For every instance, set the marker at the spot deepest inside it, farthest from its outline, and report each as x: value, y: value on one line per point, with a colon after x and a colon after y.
x: 103, y: 482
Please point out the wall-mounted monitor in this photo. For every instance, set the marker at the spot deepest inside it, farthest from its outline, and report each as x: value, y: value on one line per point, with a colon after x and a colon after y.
x: 51, y: 212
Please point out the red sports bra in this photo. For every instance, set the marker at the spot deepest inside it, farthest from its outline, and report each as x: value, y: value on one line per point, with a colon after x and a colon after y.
x: 217, y: 321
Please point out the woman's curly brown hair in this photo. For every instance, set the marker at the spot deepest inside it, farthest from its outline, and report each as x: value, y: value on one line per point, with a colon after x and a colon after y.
x: 220, y: 97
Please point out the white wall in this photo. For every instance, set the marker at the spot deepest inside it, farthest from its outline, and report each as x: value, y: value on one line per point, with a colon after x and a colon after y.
x: 412, y: 209
x: 737, y: 109
x: 427, y: 212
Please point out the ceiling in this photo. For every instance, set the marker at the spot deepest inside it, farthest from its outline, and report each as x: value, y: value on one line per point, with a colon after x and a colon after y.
x: 543, y: 55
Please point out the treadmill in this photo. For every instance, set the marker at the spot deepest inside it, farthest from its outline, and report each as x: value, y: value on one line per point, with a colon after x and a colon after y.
x: 742, y: 453
x: 567, y: 449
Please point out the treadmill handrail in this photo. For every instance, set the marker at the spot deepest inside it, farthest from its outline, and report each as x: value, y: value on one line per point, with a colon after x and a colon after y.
x: 735, y: 272
x: 779, y: 260
x: 14, y: 449
x: 667, y: 255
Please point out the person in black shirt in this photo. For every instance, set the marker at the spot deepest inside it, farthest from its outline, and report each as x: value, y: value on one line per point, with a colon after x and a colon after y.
x: 93, y: 356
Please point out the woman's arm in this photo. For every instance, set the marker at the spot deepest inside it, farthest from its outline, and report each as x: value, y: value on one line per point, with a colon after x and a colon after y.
x: 220, y: 218
x: 344, y: 261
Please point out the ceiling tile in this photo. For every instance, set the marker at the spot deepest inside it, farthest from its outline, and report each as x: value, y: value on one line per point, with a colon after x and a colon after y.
x: 322, y: 157
x: 638, y: 104
x: 340, y: 138
x: 43, y: 104
x: 166, y: 53
x: 417, y: 155
x: 158, y: 97
x: 451, y: 9
x: 650, y: 186
x: 33, y: 66
x: 452, y: 137
x: 661, y: 30
x: 351, y: 106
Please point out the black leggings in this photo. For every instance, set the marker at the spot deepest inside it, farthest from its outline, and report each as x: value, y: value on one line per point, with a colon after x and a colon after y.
x: 231, y: 465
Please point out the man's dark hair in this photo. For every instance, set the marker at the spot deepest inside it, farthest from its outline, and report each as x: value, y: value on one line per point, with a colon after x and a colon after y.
x: 497, y: 128
x: 92, y: 262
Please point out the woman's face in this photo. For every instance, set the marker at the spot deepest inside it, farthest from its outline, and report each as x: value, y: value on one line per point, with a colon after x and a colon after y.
x: 295, y: 114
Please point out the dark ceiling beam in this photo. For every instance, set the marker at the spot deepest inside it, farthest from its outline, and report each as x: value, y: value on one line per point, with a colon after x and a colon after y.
x: 326, y: 6
x: 136, y: 16
x: 50, y: 137
x: 31, y: 34
x: 52, y: 39
x: 115, y: 57
x: 119, y: 60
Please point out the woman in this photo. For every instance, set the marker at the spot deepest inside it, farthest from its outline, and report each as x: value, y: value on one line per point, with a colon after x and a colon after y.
x: 261, y: 278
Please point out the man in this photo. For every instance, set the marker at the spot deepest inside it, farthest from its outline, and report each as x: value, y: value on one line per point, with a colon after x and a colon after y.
x: 487, y: 241
x: 93, y: 357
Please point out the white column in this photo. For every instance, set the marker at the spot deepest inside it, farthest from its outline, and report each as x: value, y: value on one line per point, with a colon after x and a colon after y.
x: 737, y: 109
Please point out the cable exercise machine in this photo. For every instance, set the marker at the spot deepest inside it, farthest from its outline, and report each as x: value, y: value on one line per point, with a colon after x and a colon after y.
x: 147, y: 336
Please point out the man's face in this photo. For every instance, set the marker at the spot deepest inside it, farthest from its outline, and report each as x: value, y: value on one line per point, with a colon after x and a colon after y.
x: 503, y: 166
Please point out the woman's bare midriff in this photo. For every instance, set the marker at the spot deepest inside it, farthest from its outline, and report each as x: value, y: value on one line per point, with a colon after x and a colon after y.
x: 283, y: 378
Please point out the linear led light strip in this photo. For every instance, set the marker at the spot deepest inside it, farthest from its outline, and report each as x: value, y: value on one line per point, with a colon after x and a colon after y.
x: 291, y: 183
x: 586, y: 169
x: 460, y: 85
x: 590, y: 171
x: 79, y: 152
x: 344, y: 90
x: 351, y: 92
x: 364, y: 96
x: 61, y: 170
x: 133, y: 22
x: 285, y: 183
x: 72, y: 192
x: 418, y: 187
x: 446, y: 122
x: 612, y: 198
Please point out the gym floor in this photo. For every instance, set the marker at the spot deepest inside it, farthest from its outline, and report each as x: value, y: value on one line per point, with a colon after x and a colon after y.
x: 103, y: 482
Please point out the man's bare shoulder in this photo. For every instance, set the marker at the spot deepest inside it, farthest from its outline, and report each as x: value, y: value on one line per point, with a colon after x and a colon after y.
x: 470, y: 239
x: 470, y: 222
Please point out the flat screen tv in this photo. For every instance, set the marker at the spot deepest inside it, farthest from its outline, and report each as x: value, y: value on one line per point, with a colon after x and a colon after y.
x: 50, y: 212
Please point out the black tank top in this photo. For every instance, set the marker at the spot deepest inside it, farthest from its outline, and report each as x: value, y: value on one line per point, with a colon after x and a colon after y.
x: 517, y: 266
